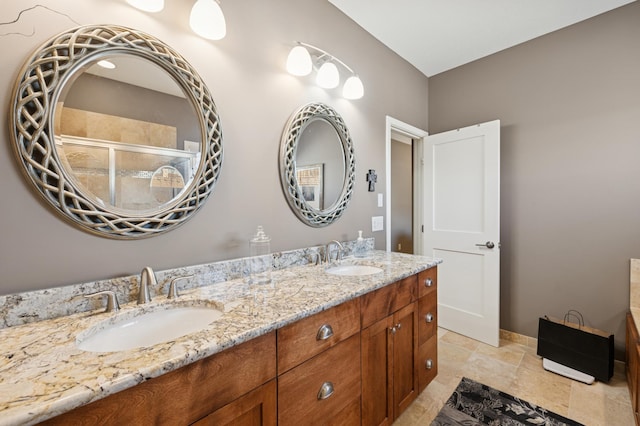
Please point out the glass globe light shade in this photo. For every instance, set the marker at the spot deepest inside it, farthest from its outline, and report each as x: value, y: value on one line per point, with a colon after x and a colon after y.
x: 207, y: 20
x: 353, y: 88
x: 328, y: 76
x: 299, y: 61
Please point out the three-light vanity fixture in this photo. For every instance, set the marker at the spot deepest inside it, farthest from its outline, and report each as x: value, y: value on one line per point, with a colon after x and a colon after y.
x: 304, y: 58
x: 206, y: 19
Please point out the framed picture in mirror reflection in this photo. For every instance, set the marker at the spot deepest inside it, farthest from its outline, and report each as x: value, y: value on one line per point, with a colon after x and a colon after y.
x: 310, y: 180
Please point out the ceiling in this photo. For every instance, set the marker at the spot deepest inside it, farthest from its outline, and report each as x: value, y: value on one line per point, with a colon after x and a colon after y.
x: 438, y: 35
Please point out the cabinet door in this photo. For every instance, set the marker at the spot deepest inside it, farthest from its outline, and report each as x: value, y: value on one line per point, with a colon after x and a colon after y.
x: 377, y: 379
x: 257, y: 408
x: 405, y: 357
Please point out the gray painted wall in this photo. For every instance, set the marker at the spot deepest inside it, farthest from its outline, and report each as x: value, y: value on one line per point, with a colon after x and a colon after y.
x: 569, y: 105
x: 255, y: 97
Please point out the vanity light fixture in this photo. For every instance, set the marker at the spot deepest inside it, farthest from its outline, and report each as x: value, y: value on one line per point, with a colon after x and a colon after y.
x: 147, y: 5
x: 304, y: 57
x: 207, y: 20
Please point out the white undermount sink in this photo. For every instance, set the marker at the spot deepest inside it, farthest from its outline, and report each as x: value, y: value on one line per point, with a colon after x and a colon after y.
x: 147, y: 329
x: 353, y: 270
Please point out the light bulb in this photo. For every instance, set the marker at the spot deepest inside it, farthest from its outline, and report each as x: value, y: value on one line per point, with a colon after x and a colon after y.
x: 299, y: 61
x: 328, y: 76
x: 147, y: 5
x: 353, y: 88
x: 207, y: 20
x: 106, y: 64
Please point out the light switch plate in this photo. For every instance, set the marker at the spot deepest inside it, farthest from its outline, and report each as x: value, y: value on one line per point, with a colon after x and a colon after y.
x: 380, y: 200
x: 377, y: 223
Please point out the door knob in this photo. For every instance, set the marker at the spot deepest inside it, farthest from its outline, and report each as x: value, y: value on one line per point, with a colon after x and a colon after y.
x: 488, y: 244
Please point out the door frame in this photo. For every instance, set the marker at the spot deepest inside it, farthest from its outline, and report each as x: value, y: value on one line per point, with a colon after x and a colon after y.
x: 417, y: 135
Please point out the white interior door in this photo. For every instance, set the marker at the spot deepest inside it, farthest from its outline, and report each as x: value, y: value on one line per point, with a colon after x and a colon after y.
x: 462, y: 227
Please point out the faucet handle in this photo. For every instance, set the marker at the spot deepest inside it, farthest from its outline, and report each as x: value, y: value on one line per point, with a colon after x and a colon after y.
x: 173, y: 287
x: 112, y: 300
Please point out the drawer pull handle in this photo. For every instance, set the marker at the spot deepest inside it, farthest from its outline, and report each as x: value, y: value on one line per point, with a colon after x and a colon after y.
x: 393, y: 330
x: 428, y: 317
x: 428, y: 282
x: 326, y: 390
x: 399, y: 326
x: 429, y: 364
x: 324, y: 332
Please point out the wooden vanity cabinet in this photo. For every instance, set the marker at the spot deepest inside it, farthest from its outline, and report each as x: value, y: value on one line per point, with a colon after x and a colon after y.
x: 633, y: 364
x: 241, y: 377
x: 389, y: 351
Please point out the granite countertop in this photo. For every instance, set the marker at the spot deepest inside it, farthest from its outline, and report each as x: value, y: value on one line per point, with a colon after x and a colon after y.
x: 44, y: 374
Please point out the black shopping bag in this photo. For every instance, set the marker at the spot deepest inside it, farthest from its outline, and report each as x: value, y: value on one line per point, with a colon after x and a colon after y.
x: 579, y: 347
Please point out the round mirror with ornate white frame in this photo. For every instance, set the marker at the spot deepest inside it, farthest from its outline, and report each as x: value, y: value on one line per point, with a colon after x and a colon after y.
x: 102, y: 163
x: 318, y: 129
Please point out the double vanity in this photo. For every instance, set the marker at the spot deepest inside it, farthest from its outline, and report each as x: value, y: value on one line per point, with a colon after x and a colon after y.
x: 347, y: 343
x: 356, y: 343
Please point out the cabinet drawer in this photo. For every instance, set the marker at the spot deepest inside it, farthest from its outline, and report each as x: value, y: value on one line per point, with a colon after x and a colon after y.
x: 427, y: 362
x: 427, y: 318
x: 387, y: 300
x: 427, y: 281
x: 308, y: 337
x: 299, y: 396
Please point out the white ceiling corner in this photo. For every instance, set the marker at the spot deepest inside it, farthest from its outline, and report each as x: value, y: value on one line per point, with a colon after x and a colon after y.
x: 438, y: 35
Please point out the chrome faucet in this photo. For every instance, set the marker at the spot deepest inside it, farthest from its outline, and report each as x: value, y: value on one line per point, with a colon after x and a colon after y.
x: 327, y: 251
x: 147, y: 278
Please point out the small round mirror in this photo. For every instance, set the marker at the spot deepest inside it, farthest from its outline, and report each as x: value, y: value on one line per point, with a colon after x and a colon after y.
x: 317, y: 165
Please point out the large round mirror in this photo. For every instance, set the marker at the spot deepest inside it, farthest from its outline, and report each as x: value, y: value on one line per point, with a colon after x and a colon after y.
x: 317, y: 165
x: 117, y: 131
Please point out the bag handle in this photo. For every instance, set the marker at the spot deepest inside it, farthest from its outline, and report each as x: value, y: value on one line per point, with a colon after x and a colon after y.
x: 575, y: 314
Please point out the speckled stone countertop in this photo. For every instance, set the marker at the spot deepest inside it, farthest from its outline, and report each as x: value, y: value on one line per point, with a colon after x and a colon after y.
x: 43, y: 373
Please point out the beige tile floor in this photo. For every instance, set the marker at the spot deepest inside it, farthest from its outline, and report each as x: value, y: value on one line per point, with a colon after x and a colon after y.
x: 516, y: 369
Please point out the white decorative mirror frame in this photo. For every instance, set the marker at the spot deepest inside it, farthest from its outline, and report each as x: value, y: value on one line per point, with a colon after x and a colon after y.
x: 41, y: 84
x: 288, y: 148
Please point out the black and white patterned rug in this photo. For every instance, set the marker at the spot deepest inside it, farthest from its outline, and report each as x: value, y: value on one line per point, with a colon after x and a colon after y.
x: 473, y: 403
